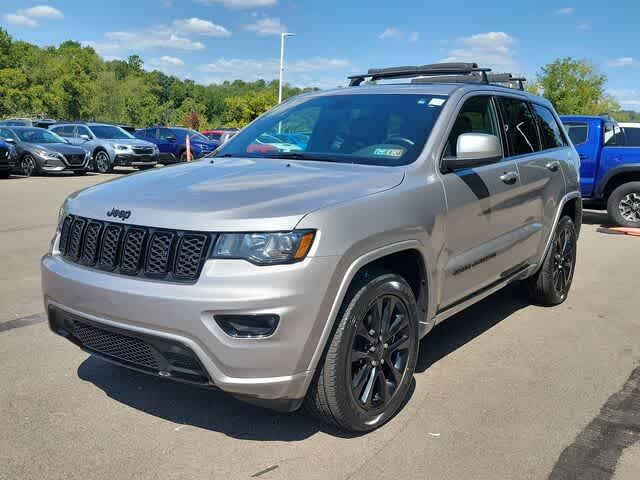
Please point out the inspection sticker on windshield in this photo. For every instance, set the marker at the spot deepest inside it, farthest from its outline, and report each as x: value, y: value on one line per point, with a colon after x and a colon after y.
x: 436, y: 102
x: 389, y: 152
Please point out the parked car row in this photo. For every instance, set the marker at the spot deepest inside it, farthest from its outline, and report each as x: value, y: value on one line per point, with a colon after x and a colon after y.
x: 41, y: 146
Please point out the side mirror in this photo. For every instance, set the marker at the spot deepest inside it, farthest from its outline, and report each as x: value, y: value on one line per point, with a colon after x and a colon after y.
x: 474, y: 150
x: 170, y: 138
x: 86, y: 138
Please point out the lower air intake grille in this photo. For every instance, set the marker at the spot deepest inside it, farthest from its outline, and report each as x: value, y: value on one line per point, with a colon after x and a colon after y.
x: 115, y: 345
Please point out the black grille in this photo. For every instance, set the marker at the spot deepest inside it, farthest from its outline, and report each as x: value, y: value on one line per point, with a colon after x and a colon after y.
x: 75, y: 159
x: 133, y: 250
x: 122, y: 347
x: 143, y: 150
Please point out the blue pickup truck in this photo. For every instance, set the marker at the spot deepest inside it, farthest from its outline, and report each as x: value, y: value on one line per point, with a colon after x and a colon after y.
x: 171, y: 142
x: 610, y: 165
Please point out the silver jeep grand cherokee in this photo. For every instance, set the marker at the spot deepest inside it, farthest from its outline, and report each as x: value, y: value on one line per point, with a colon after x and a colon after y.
x: 308, y: 275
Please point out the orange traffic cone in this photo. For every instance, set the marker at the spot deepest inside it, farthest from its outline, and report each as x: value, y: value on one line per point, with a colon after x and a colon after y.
x: 188, y: 148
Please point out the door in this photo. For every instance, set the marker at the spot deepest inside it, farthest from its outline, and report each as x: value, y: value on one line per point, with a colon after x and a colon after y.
x: 537, y: 145
x: 167, y: 144
x: 66, y: 132
x: 479, y: 209
x: 587, y: 143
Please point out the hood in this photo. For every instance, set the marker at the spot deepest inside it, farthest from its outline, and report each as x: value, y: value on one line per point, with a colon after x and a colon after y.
x: 129, y: 141
x: 232, y: 194
x: 62, y: 148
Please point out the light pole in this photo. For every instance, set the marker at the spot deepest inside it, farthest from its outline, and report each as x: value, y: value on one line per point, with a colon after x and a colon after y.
x: 283, y: 35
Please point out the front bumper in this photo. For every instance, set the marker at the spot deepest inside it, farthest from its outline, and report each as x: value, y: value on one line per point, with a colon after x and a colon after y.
x: 51, y: 164
x: 275, y: 368
x: 133, y: 160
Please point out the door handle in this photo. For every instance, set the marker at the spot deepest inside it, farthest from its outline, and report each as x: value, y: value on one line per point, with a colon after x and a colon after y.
x: 553, y: 166
x: 509, y: 177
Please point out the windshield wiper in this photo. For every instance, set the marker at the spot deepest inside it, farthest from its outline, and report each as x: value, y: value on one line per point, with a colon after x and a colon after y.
x: 301, y: 156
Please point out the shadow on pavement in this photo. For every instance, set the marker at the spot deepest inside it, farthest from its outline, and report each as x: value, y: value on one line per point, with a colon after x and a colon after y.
x: 460, y: 329
x: 216, y: 411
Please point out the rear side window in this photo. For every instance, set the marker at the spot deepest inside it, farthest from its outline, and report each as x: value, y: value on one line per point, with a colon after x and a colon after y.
x: 519, y: 126
x: 578, y: 132
x: 632, y: 136
x: 550, y: 133
x: 65, y: 131
x: 476, y: 116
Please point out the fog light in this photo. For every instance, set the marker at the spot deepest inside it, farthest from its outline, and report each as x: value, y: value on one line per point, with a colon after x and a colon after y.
x: 248, y: 326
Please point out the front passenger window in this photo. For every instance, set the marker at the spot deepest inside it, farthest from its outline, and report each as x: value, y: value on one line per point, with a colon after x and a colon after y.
x: 476, y: 116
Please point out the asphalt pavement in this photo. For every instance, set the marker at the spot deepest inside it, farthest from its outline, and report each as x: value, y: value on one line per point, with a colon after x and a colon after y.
x: 504, y: 390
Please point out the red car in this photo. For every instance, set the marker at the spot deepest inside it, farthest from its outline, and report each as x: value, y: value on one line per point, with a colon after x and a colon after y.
x: 220, y: 134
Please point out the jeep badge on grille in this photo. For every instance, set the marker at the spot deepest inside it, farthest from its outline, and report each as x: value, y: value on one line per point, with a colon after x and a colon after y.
x: 121, y: 214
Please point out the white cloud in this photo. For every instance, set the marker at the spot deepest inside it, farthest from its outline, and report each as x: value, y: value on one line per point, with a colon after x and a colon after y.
x: 198, y: 26
x: 390, y: 33
x: 19, y: 20
x: 240, y: 3
x: 27, y: 17
x: 413, y: 37
x: 165, y: 63
x: 584, y: 26
x: 622, y: 62
x: 266, y: 26
x: 159, y: 37
x: 306, y: 72
x: 41, y: 11
x: 566, y: 11
x: 492, y: 49
x: 629, y: 99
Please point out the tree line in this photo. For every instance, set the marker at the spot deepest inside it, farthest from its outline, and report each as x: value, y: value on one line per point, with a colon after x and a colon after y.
x: 72, y: 82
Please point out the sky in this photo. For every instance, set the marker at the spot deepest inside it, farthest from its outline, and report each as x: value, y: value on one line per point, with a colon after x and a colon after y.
x: 210, y: 41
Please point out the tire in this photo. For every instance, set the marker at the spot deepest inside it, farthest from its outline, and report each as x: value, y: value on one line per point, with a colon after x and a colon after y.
x: 146, y: 167
x: 79, y: 172
x: 623, y: 205
x: 551, y: 284
x: 28, y: 165
x: 355, y: 357
x: 5, y: 174
x: 102, y: 162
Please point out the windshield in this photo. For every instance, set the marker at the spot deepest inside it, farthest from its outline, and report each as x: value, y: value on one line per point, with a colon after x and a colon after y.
x: 109, y: 132
x: 193, y: 134
x: 38, y: 135
x: 360, y: 128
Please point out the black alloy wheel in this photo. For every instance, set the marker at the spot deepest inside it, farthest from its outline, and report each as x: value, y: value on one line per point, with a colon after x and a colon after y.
x: 379, y: 353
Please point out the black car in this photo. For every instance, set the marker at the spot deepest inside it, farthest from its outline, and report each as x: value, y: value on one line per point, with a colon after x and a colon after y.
x: 7, y: 159
x: 41, y: 151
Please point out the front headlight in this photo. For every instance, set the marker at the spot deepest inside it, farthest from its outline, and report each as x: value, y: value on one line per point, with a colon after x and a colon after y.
x: 265, y: 248
x: 46, y: 154
x: 121, y: 148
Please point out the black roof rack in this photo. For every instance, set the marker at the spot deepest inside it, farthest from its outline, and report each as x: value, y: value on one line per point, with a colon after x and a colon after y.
x: 436, y: 69
x: 439, y: 73
x: 491, y: 78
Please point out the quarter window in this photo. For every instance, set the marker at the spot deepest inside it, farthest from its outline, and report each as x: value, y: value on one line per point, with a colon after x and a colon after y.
x: 578, y: 132
x: 632, y: 136
x: 476, y: 116
x: 519, y: 127
x: 550, y: 133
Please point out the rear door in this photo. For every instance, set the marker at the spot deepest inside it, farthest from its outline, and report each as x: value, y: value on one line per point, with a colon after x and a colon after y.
x: 167, y: 144
x: 479, y: 209
x: 587, y: 141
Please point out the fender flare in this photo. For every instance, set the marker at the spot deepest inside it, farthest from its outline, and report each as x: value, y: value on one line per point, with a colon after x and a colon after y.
x: 627, y: 168
x: 348, y: 277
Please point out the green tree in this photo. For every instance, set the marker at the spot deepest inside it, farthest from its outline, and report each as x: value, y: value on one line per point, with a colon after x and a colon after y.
x: 574, y: 87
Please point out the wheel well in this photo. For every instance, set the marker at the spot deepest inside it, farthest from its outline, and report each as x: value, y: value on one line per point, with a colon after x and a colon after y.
x: 99, y: 149
x: 573, y: 208
x: 619, y: 179
x: 409, y: 264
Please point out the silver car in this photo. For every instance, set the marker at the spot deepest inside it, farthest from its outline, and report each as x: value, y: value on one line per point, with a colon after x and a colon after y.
x: 110, y: 145
x: 310, y: 276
